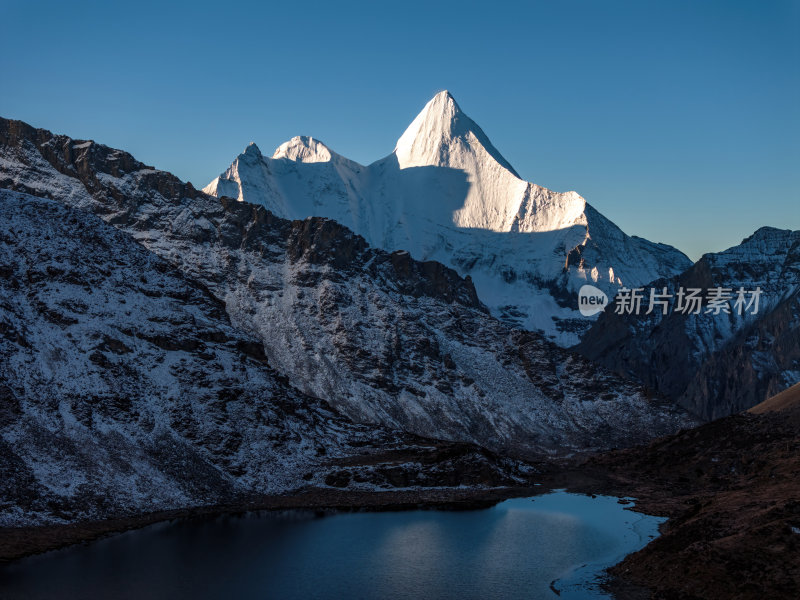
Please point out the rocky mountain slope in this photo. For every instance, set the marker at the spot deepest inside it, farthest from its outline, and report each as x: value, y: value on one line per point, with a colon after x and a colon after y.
x: 732, y: 494
x: 383, y: 338
x: 125, y: 389
x: 446, y: 194
x: 715, y: 364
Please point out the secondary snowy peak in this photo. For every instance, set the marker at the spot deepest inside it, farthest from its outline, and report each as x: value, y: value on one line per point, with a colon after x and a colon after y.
x: 279, y: 182
x: 305, y: 149
x: 252, y: 150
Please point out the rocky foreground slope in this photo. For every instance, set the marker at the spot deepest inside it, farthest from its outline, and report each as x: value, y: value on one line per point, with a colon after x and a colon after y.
x: 445, y: 193
x: 386, y: 340
x: 732, y: 494
x: 125, y: 389
x: 715, y: 363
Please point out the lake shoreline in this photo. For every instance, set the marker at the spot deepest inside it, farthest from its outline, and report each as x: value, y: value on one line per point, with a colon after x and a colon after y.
x: 732, y: 496
x: 17, y: 543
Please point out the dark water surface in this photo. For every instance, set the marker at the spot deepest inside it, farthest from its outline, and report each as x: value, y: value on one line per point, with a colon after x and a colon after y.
x: 513, y: 550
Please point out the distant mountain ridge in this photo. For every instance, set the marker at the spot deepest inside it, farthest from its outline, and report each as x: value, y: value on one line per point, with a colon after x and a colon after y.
x: 446, y: 193
x: 715, y: 364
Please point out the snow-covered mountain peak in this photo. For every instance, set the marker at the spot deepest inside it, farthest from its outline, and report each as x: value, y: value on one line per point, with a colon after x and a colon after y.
x: 252, y: 150
x: 305, y: 149
x: 768, y: 247
x: 447, y: 194
x: 442, y: 107
x: 441, y: 135
x: 439, y: 114
x: 771, y: 234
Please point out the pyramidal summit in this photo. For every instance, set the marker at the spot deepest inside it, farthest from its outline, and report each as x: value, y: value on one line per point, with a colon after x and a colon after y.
x: 447, y: 194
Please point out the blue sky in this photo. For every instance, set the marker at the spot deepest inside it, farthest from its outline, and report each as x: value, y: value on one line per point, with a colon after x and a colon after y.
x: 677, y: 120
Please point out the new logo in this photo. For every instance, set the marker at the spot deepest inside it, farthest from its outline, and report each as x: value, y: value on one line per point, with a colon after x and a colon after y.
x: 591, y: 300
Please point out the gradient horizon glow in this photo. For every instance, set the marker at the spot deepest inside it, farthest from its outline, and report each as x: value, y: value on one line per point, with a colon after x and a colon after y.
x: 677, y: 120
